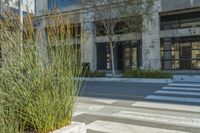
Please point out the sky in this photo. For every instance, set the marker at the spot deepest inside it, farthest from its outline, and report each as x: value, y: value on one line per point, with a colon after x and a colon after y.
x: 28, y: 5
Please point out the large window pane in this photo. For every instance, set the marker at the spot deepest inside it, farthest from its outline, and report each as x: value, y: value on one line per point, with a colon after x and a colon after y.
x: 180, y: 53
x: 51, y: 4
x: 175, y: 64
x: 196, y: 45
x: 170, y: 25
x: 75, y: 2
x: 195, y: 54
x: 175, y: 46
x: 61, y: 3
x: 175, y: 55
x: 196, y: 64
x: 189, y: 23
x: 187, y: 20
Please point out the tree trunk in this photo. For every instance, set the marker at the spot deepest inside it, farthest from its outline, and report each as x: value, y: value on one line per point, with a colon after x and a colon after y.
x: 112, y: 59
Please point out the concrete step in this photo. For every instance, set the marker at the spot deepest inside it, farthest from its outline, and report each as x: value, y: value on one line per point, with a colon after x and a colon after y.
x: 187, y: 78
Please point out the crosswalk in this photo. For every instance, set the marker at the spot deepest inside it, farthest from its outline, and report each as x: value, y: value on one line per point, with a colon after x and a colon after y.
x: 105, y: 116
x: 187, y: 93
x: 171, y: 109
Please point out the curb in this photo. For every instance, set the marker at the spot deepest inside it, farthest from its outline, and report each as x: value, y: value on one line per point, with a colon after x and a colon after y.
x: 129, y: 80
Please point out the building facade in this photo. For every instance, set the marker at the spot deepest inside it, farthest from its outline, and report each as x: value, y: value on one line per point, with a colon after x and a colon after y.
x: 170, y: 41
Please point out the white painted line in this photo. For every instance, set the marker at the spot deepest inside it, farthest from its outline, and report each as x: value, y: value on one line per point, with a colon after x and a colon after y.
x: 160, y: 118
x: 114, y: 127
x: 177, y: 99
x: 181, y: 88
x: 107, y: 101
x: 186, y: 85
x: 83, y: 107
x: 77, y: 114
x: 168, y: 106
x: 178, y: 93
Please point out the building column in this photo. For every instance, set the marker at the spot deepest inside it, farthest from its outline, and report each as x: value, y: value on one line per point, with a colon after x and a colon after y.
x: 151, y: 39
x: 88, y: 46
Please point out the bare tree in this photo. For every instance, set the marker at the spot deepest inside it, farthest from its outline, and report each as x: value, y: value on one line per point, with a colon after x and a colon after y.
x: 109, y: 14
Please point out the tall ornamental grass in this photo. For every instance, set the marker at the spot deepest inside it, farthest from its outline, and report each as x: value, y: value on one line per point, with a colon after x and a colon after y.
x: 37, y: 90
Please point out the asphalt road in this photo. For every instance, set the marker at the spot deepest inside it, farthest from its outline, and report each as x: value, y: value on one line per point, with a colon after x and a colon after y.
x: 119, y: 90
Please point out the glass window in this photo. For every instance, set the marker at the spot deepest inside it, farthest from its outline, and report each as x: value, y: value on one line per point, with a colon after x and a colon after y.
x: 100, y: 29
x: 195, y: 54
x: 187, y: 20
x: 180, y: 53
x: 61, y: 3
x: 51, y: 4
x: 75, y: 2
x: 195, y: 64
x: 108, y: 57
x: 175, y: 46
x: 175, y: 55
x: 169, y: 25
x: 189, y: 23
x: 196, y: 45
x: 175, y: 64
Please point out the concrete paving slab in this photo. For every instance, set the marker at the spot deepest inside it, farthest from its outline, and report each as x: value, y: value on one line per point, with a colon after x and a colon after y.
x: 114, y: 127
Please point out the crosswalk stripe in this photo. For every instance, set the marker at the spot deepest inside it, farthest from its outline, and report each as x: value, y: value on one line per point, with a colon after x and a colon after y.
x: 168, y: 106
x: 160, y: 118
x: 77, y: 113
x: 186, y: 85
x: 170, y: 98
x: 181, y: 88
x: 115, y: 127
x: 107, y: 101
x: 178, y: 93
x: 89, y: 107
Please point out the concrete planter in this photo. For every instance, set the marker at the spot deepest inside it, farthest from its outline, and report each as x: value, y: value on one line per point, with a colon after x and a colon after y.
x: 187, y: 78
x: 74, y: 127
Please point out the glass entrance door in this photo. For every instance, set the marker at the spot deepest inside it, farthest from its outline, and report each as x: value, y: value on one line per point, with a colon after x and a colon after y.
x: 130, y: 58
x: 185, y: 56
x: 134, y: 58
